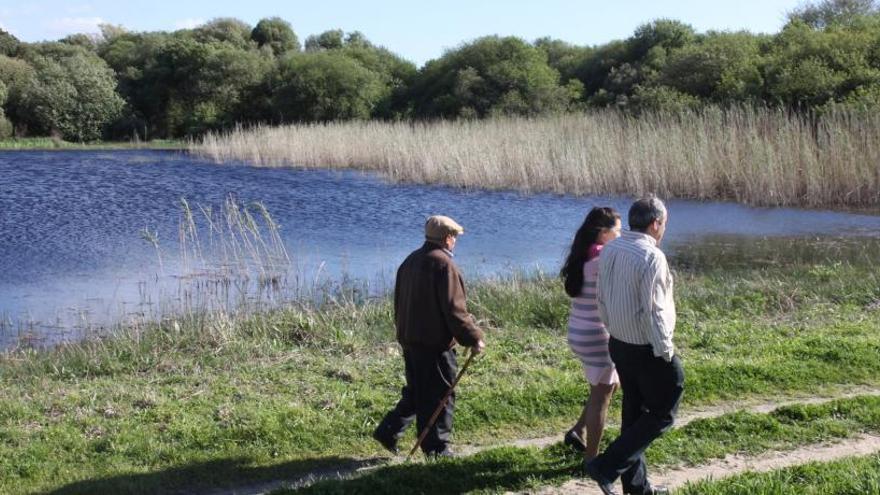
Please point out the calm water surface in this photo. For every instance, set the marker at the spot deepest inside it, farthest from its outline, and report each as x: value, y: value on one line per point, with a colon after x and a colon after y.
x: 73, y: 256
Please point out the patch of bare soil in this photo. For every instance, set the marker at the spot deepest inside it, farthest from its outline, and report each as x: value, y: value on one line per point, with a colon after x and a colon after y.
x: 692, y: 415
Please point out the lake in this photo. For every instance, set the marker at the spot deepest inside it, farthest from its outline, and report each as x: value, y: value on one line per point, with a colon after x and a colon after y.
x: 93, y: 238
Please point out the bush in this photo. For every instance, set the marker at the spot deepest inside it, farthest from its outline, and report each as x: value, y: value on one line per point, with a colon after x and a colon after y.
x: 663, y: 99
x: 863, y: 100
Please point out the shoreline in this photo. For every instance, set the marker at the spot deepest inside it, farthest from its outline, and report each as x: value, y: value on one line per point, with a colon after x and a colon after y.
x: 49, y: 144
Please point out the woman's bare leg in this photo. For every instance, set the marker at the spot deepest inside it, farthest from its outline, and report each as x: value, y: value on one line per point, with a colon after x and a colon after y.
x: 593, y: 416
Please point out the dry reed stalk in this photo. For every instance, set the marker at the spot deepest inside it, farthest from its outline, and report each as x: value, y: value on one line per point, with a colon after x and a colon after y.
x: 753, y: 155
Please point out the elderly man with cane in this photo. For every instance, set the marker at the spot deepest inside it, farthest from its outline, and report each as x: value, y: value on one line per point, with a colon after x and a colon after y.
x: 431, y: 316
x: 636, y: 305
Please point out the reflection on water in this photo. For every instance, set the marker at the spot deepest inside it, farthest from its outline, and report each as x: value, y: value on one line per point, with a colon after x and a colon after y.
x: 96, y: 238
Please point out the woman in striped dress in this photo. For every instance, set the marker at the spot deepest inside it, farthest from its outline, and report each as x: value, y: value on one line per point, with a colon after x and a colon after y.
x: 587, y: 336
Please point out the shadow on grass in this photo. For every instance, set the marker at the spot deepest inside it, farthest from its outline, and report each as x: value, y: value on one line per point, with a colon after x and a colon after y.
x: 499, y: 469
x: 222, y: 476
x: 495, y: 470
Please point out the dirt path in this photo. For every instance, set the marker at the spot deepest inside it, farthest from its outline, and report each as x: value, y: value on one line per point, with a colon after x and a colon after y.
x: 735, y: 464
x: 695, y: 414
x: 358, y: 467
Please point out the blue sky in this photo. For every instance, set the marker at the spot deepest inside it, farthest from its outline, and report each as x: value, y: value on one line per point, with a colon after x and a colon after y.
x: 418, y: 31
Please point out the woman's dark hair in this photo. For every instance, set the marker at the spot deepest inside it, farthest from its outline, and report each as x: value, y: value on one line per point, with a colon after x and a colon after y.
x: 572, y: 272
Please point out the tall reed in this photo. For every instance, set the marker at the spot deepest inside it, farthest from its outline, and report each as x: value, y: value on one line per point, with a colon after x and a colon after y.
x: 758, y: 156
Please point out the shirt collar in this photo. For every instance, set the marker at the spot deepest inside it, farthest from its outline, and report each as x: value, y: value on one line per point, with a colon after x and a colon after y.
x: 639, y: 236
x: 436, y: 245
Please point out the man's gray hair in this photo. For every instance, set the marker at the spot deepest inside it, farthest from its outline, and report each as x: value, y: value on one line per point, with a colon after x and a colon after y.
x: 644, y: 211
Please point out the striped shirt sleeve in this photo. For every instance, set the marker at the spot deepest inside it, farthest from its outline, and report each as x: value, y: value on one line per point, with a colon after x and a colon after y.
x: 658, y: 301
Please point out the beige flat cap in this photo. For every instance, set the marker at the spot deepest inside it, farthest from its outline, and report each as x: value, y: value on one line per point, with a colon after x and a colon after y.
x: 438, y: 227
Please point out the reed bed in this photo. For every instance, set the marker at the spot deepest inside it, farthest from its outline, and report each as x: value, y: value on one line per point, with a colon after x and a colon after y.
x: 756, y: 156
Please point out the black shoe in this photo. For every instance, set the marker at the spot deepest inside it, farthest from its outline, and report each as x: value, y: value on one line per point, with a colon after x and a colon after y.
x: 390, y: 443
x: 446, y: 453
x: 573, y: 440
x: 658, y: 490
x: 654, y: 490
x: 606, y: 487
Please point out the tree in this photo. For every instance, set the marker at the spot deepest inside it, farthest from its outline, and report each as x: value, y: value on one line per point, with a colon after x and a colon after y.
x: 664, y: 33
x: 806, y: 67
x: 73, y: 93
x: 141, y: 80
x: 277, y: 34
x: 612, y: 72
x: 185, y: 83
x: 491, y: 76
x: 724, y: 67
x: 328, y: 40
x: 8, y: 44
x: 596, y: 67
x: 204, y: 83
x: 89, y: 42
x: 326, y: 85
x: 357, y: 39
x: 15, y: 76
x: 225, y: 30
x: 830, y: 12
x: 563, y: 56
x: 5, y: 124
x: 395, y: 73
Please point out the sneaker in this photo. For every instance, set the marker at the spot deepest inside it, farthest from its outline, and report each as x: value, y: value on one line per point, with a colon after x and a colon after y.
x: 573, y: 440
x: 390, y: 443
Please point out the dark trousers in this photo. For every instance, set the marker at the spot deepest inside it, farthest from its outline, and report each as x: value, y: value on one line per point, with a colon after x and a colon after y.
x: 429, y: 375
x: 652, y: 389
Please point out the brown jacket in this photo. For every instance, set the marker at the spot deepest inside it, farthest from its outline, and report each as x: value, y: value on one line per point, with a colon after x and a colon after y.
x: 429, y: 302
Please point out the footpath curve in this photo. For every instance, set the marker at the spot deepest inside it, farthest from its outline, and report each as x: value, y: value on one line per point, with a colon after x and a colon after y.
x: 672, y: 478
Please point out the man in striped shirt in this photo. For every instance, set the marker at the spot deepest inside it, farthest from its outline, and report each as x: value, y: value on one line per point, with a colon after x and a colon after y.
x: 636, y: 305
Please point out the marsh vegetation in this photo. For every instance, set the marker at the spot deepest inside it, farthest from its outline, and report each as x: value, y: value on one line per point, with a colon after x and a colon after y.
x: 756, y: 156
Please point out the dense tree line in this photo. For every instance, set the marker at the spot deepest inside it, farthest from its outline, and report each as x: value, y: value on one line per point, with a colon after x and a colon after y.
x: 121, y: 84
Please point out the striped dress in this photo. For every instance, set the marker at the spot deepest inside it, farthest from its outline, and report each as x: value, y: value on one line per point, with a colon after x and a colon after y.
x: 587, y: 336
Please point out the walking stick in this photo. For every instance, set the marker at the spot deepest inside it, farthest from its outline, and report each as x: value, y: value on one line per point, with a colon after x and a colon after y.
x: 440, y: 407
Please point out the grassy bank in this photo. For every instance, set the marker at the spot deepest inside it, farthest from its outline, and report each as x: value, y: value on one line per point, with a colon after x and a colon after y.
x: 231, y: 398
x: 44, y: 143
x: 756, y: 156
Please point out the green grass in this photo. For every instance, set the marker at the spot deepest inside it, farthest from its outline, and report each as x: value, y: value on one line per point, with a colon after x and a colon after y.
x: 46, y: 143
x: 855, y: 476
x: 228, y: 399
x: 502, y: 469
